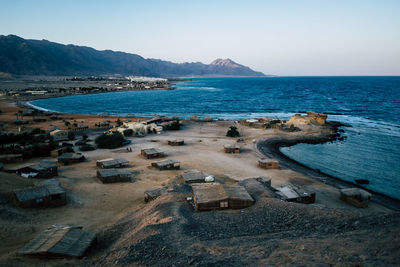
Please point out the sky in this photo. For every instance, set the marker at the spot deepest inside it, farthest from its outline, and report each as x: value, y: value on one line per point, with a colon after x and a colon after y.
x: 298, y: 37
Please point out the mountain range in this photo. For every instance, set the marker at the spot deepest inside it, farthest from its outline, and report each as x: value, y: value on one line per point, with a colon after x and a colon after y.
x: 20, y: 56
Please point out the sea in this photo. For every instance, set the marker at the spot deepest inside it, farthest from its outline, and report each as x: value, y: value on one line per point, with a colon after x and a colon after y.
x: 369, y: 105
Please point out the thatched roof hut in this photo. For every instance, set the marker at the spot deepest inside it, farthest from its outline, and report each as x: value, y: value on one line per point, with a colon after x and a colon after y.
x: 112, y: 163
x: 60, y: 241
x: 43, y: 169
x: 268, y: 164
x: 169, y: 164
x: 153, y: 192
x: 115, y: 175
x: 48, y: 193
x: 212, y: 196
x: 68, y: 158
x: 297, y: 194
x: 176, y: 142
x: 152, y: 153
x: 355, y: 196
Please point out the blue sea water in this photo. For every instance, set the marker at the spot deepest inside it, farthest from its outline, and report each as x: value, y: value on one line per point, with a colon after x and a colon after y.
x: 370, y: 104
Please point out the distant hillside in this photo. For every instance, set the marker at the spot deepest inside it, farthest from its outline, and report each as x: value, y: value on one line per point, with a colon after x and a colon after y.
x: 20, y: 56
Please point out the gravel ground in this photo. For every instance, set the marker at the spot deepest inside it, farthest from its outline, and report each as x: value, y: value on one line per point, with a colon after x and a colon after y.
x: 272, y: 232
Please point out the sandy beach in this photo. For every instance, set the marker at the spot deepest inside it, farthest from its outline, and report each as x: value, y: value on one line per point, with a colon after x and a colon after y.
x: 168, y: 230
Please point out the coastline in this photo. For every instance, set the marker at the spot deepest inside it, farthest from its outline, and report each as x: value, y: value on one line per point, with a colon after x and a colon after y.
x: 270, y: 147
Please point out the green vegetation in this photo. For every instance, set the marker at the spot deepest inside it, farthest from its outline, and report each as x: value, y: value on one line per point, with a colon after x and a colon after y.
x: 110, y: 140
x: 128, y: 132
x: 232, y: 132
x: 71, y: 136
x: 174, y: 125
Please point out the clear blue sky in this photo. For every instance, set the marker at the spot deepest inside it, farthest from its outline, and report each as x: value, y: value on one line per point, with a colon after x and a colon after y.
x: 276, y: 37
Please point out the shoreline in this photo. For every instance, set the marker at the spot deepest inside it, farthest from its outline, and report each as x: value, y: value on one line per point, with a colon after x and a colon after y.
x: 271, y: 148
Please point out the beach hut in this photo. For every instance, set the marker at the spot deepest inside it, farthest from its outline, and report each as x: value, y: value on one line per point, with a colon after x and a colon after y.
x: 112, y: 163
x: 48, y: 193
x: 153, y: 192
x: 196, y: 176
x: 115, y: 175
x: 297, y: 194
x: 152, y: 153
x: 211, y: 196
x: 176, y: 142
x: 268, y: 164
x: 169, y: 164
x: 259, y: 187
x: 59, y: 135
x: 43, y: 169
x: 355, y: 196
x: 60, y: 241
x: 232, y: 149
x: 68, y: 158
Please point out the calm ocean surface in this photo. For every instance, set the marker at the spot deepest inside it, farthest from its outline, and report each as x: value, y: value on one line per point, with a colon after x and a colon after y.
x: 370, y: 104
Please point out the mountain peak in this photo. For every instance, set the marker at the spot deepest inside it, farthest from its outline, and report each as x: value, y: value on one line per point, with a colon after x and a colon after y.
x: 227, y: 62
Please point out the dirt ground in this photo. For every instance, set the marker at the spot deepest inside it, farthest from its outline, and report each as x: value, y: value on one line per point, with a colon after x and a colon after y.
x: 105, y: 208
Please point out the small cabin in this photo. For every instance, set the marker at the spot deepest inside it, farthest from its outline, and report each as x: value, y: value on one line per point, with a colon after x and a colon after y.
x: 355, y: 196
x: 196, y: 176
x: 176, y: 142
x: 43, y: 169
x: 60, y: 241
x: 115, y: 175
x: 259, y: 187
x: 297, y: 194
x: 152, y: 153
x: 153, y: 192
x: 59, y: 135
x: 112, y: 163
x: 234, y: 149
x: 170, y: 164
x: 268, y: 164
x: 212, y: 196
x: 48, y: 193
x: 68, y: 158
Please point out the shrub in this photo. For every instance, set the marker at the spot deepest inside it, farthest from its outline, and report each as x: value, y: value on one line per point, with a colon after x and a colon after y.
x: 119, y: 122
x: 71, y: 136
x: 110, y: 140
x: 128, y: 132
x: 232, y: 132
x: 174, y: 125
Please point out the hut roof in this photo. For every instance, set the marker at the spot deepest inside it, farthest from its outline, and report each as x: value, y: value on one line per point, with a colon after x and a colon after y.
x: 150, y: 151
x: 237, y: 192
x: 209, y: 192
x: 155, y: 191
x: 111, y: 162
x: 267, y: 161
x: 39, y: 190
x: 166, y: 162
x: 43, y: 165
x: 231, y: 146
x: 356, y: 192
x: 70, y: 156
x: 60, y: 241
x: 194, y: 176
x: 259, y: 186
x: 114, y: 172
